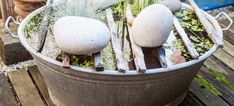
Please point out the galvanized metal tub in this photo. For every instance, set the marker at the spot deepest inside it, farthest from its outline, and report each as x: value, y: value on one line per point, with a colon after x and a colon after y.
x: 85, y: 87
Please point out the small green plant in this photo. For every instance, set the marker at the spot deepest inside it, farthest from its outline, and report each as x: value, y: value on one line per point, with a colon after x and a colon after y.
x: 82, y: 61
x: 82, y: 8
x: 137, y: 6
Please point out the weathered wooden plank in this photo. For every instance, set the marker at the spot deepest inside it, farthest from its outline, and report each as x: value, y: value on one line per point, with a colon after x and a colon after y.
x: 228, y: 47
x: 43, y: 29
x: 187, y: 42
x: 218, y: 66
x: 36, y: 75
x: 206, y: 96
x: 6, y: 95
x: 225, y: 58
x: 98, y: 62
x: 227, y: 93
x: 136, y: 50
x: 212, y: 33
x: 190, y: 100
x: 229, y: 36
x: 122, y: 64
x: 25, y: 89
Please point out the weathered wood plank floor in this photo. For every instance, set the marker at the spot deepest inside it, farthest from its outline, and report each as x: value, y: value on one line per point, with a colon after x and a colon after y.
x: 213, y: 85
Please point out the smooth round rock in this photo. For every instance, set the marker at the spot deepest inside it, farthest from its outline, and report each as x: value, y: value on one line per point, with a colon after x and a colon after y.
x: 152, y: 26
x: 81, y: 36
x: 102, y: 4
x: 173, y: 5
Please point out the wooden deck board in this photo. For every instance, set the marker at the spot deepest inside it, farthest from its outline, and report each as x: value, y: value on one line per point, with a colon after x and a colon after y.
x: 228, y: 36
x: 41, y: 84
x: 206, y: 96
x: 6, y: 95
x: 191, y: 100
x: 25, y: 88
x: 218, y: 66
x: 225, y: 58
x: 227, y: 93
x: 228, y: 47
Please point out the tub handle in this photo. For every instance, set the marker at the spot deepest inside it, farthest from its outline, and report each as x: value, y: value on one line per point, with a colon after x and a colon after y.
x: 7, y: 25
x: 228, y: 17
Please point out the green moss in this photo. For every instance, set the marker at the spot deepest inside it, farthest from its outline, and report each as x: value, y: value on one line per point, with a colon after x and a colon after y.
x: 33, y: 24
x: 208, y: 85
x: 82, y: 61
x: 221, y: 78
x: 178, y: 44
x: 109, y: 58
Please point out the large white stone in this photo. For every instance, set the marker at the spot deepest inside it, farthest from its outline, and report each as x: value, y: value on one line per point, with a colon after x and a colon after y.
x: 173, y: 5
x: 79, y: 35
x: 152, y: 26
x: 104, y: 3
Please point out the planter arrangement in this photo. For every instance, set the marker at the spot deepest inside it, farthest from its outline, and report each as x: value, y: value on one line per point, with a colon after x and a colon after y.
x: 127, y: 52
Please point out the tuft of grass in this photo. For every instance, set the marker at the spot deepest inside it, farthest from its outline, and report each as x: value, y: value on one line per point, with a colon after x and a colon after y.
x: 137, y: 6
x: 82, y: 8
x: 208, y: 85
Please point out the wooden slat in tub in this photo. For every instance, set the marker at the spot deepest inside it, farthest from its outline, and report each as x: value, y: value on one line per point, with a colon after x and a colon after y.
x: 206, y: 96
x: 36, y: 75
x: 227, y: 93
x: 25, y: 89
x: 6, y: 94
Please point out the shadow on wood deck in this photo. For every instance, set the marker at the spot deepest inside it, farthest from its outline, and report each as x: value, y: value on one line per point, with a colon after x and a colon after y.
x: 212, y: 87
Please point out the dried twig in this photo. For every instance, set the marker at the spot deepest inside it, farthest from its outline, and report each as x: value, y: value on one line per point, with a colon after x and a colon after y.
x: 122, y: 64
x: 44, y: 25
x: 98, y: 61
x: 137, y: 51
x: 212, y: 33
x: 190, y: 47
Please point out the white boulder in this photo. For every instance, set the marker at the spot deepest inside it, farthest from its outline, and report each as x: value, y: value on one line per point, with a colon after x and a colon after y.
x: 79, y: 35
x: 173, y: 5
x: 104, y: 3
x: 152, y: 26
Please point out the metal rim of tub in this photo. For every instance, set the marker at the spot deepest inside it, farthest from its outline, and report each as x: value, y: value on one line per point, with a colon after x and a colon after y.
x: 114, y: 72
